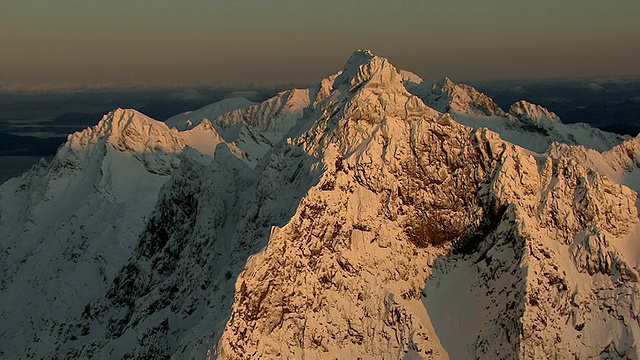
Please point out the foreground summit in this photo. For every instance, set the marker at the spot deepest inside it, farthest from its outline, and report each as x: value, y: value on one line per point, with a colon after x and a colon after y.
x: 370, y: 216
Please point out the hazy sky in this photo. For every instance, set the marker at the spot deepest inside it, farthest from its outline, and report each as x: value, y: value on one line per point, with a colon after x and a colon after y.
x: 237, y: 42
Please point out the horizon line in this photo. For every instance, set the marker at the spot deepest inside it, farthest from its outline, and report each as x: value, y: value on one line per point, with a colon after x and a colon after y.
x: 53, y: 87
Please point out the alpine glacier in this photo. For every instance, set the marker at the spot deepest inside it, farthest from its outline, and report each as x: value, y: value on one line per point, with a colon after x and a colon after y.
x: 370, y: 216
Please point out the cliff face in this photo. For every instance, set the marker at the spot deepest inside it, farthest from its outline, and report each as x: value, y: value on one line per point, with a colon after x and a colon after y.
x: 352, y: 220
x: 422, y: 200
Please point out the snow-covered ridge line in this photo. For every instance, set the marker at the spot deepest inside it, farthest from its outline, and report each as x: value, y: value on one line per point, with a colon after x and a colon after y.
x: 528, y: 125
x: 191, y: 119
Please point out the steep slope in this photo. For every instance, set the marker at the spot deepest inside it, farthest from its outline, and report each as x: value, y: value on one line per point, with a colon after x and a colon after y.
x: 343, y: 277
x: 93, y: 201
x: 407, y: 199
x: 258, y: 128
x: 174, y: 295
x: 620, y: 163
x: 351, y: 220
x: 571, y: 221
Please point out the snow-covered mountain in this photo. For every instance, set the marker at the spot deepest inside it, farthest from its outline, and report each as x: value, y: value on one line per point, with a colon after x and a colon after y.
x: 70, y: 225
x: 447, y: 96
x: 365, y: 217
x: 528, y: 125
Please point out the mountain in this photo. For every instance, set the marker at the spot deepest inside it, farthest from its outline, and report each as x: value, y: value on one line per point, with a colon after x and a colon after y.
x: 447, y: 96
x: 360, y: 218
x: 620, y: 163
x: 70, y: 225
x: 528, y: 125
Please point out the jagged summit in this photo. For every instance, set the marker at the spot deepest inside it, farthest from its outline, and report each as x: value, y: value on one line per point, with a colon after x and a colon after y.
x: 359, y: 57
x: 130, y: 130
x: 364, y: 67
x: 445, y: 83
x: 368, y: 96
x: 123, y: 128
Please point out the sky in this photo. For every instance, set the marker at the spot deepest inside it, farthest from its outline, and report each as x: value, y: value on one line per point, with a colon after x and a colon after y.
x: 95, y: 43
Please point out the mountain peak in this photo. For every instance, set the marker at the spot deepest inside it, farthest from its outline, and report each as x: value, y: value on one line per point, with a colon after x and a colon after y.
x: 112, y: 124
x: 124, y: 112
x: 525, y: 110
x: 120, y: 117
x: 365, y: 67
x: 447, y: 95
x: 446, y: 83
x: 360, y: 56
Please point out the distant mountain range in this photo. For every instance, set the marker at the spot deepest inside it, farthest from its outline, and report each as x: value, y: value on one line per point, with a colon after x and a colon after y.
x: 34, y: 125
x: 611, y: 104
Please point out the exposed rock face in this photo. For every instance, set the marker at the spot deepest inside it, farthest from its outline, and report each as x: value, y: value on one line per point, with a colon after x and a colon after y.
x: 344, y: 266
x: 337, y: 279
x: 354, y: 220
